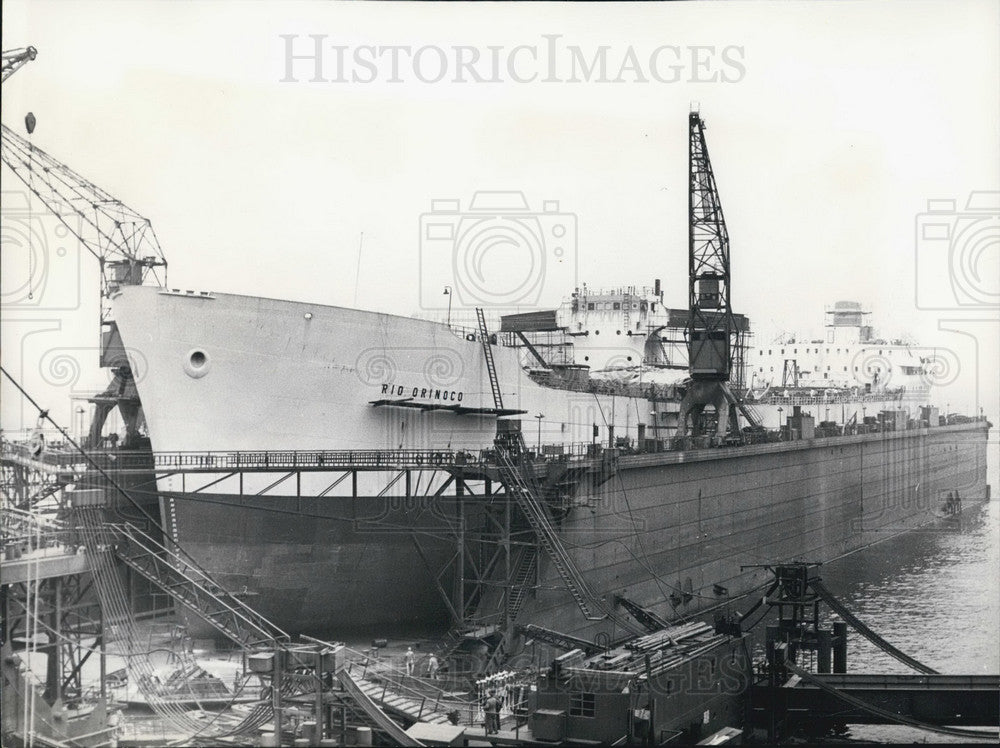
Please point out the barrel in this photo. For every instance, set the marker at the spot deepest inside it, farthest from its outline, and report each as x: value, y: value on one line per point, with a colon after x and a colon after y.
x: 268, y: 740
x: 309, y: 732
x: 364, y: 736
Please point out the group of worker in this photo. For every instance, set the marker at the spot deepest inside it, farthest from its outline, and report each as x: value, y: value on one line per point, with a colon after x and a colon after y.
x: 491, y: 706
x: 432, y: 663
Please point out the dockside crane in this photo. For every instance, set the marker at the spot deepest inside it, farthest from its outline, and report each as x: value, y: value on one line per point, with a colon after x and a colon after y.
x: 119, y: 238
x: 713, y: 334
x: 14, y: 59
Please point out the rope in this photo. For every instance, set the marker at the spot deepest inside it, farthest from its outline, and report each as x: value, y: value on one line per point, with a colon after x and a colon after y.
x: 121, y: 625
x: 884, y: 714
x: 31, y: 232
x: 866, y: 632
x: 119, y: 621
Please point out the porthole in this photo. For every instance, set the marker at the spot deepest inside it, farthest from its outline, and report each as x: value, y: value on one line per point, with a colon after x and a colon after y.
x: 197, y: 363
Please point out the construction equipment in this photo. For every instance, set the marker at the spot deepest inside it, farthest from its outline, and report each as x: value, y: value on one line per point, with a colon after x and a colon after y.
x: 14, y: 59
x: 119, y: 238
x: 713, y: 335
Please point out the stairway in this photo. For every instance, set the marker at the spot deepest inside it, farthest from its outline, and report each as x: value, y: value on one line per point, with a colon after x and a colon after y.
x: 408, y: 697
x: 751, y: 414
x: 520, y: 482
x: 193, y: 588
x: 523, y: 580
x: 370, y: 708
x: 516, y: 481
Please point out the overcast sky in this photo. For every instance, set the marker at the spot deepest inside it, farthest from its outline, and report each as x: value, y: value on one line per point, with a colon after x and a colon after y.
x: 830, y: 126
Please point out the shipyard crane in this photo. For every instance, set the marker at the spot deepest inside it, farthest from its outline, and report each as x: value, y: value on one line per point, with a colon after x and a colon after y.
x: 713, y: 335
x: 15, y: 58
x: 119, y: 238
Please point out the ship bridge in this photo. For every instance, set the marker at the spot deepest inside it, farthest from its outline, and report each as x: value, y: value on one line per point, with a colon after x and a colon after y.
x: 605, y: 329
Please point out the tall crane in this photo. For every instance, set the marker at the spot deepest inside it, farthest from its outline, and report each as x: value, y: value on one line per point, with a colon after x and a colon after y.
x: 121, y: 240
x: 713, y: 334
x: 15, y: 58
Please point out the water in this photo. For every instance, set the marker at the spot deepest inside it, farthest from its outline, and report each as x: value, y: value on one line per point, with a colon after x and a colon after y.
x: 935, y: 595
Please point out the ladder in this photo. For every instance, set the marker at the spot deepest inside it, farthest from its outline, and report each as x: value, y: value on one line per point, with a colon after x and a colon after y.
x: 491, y: 368
x: 522, y: 580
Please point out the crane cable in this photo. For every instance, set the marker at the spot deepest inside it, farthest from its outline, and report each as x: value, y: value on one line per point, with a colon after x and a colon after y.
x: 866, y: 632
x: 885, y: 714
x: 99, y: 540
x: 31, y: 231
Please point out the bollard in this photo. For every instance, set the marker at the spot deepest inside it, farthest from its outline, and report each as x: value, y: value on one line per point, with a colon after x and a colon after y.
x: 839, y: 647
x: 770, y: 639
x: 824, y: 645
x: 309, y: 732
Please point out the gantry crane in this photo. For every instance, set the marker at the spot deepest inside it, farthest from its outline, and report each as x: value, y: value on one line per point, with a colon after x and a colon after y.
x: 121, y: 240
x: 713, y: 335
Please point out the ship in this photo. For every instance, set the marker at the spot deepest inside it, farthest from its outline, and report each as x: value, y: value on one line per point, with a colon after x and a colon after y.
x: 611, y: 463
x: 670, y: 525
x: 582, y: 468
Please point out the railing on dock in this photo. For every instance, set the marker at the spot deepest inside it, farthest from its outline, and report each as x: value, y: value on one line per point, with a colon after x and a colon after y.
x: 57, y: 458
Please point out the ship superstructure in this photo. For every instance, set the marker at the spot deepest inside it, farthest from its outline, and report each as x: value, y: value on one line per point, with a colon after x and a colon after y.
x: 850, y: 357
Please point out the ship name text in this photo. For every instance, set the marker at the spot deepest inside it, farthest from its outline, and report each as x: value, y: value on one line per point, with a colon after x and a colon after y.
x: 424, y: 393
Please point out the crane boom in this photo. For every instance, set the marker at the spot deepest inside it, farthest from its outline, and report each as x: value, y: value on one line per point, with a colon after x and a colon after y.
x: 711, y: 327
x: 714, y: 338
x: 13, y: 59
x: 119, y: 238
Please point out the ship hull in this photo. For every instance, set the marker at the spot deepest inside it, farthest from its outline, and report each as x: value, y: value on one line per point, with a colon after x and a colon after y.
x: 672, y: 535
x: 674, y: 532
x: 668, y: 530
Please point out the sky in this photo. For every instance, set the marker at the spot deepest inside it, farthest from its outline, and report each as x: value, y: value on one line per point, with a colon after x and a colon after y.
x: 265, y: 165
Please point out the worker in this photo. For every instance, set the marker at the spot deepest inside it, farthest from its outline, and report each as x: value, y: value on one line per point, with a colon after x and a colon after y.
x: 409, y: 658
x: 114, y: 726
x: 492, y: 709
x: 432, y: 667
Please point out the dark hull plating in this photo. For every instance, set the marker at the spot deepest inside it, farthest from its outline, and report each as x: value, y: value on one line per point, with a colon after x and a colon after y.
x: 670, y: 531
